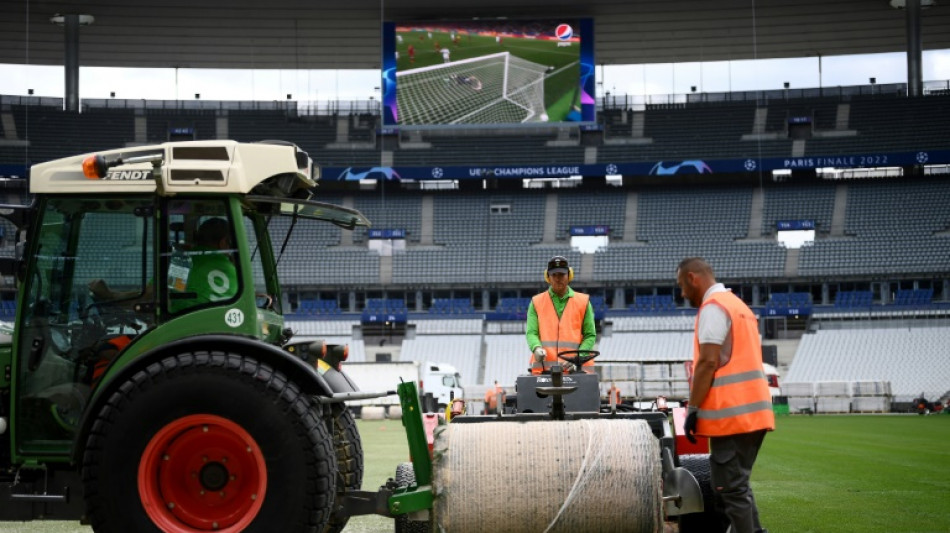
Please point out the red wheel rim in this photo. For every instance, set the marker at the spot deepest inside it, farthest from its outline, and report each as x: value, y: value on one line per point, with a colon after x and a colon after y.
x: 202, y: 473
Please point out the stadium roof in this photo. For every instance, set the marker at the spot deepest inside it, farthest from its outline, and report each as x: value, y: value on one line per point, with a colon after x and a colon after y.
x: 307, y: 34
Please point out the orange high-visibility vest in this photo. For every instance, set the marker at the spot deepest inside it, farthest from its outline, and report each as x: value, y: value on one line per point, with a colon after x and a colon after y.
x: 739, y: 400
x: 559, y: 334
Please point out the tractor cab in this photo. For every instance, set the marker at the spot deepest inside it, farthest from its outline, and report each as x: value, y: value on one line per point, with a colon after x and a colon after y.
x: 131, y: 250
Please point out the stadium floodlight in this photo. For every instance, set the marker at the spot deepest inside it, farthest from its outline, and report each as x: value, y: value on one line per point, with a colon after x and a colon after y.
x: 491, y: 89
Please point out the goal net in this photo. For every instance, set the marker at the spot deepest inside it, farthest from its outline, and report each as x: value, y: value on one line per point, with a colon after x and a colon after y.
x: 497, y: 88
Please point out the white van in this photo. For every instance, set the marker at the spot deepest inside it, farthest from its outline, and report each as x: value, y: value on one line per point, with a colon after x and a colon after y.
x: 439, y: 380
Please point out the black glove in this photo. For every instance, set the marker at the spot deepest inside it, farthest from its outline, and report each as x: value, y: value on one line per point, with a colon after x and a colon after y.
x: 689, y: 427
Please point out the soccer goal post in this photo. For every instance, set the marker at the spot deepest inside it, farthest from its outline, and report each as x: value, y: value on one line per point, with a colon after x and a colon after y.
x: 493, y: 89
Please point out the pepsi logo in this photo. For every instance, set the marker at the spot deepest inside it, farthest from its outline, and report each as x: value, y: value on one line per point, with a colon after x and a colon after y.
x: 564, y: 32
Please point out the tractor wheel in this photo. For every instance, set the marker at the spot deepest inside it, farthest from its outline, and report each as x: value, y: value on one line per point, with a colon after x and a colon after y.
x: 208, y: 441
x: 349, y: 456
x: 712, y: 519
x: 406, y: 476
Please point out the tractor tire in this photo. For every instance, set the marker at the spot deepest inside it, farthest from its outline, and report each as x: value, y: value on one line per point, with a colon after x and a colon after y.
x: 208, y: 441
x: 713, y: 519
x: 406, y: 476
x: 349, y: 456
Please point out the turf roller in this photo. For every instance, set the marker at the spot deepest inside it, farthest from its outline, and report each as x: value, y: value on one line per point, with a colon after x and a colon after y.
x: 579, y: 475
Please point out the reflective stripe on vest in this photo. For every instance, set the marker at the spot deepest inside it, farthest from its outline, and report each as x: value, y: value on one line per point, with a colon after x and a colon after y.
x: 559, y: 334
x: 739, y: 400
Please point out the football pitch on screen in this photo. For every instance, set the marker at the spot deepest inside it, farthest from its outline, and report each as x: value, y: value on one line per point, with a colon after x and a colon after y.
x: 560, y: 84
x: 815, y: 474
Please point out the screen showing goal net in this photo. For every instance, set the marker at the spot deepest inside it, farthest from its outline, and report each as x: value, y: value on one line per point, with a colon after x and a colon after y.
x: 497, y: 88
x: 488, y: 72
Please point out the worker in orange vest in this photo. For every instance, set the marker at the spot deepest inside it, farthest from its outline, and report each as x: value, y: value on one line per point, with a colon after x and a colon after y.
x: 559, y: 319
x: 729, y: 399
x: 613, y: 392
x: 491, y: 398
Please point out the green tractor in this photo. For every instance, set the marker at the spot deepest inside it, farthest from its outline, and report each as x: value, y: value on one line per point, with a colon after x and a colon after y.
x: 149, y: 383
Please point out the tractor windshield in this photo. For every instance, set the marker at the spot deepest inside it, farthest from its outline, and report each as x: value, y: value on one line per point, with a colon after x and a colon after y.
x: 88, y: 295
x: 283, y: 215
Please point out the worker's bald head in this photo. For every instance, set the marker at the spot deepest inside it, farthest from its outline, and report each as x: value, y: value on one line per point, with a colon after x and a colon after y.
x: 694, y: 277
x: 696, y: 265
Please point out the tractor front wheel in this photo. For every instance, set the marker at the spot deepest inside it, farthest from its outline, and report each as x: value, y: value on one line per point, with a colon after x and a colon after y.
x: 349, y: 457
x: 208, y: 442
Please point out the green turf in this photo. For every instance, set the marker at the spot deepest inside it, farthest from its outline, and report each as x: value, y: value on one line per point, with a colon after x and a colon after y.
x: 815, y: 474
x: 868, y: 474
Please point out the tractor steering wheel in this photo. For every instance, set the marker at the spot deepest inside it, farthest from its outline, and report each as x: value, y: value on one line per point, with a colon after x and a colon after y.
x: 580, y: 357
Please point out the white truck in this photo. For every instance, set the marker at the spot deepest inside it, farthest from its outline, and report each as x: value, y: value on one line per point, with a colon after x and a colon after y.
x: 438, y: 383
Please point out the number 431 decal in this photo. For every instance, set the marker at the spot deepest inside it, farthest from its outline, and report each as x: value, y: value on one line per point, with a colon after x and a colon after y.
x: 234, y: 317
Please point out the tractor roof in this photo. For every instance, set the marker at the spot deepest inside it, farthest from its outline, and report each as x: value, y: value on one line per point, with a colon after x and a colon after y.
x: 218, y: 166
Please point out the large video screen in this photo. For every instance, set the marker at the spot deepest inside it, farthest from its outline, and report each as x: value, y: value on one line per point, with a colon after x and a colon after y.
x: 488, y: 72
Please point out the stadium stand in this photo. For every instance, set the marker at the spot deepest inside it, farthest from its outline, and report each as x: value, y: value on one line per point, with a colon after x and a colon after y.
x: 461, y: 351
x: 451, y: 306
x: 307, y: 307
x: 654, y: 323
x: 430, y: 326
x: 310, y: 133
x: 815, y: 202
x: 798, y: 303
x: 649, y: 346
x: 394, y: 211
x: 591, y: 208
x: 506, y: 357
x: 163, y: 125
x: 882, y: 246
x: 912, y: 359
x: 54, y: 133
x: 890, y: 229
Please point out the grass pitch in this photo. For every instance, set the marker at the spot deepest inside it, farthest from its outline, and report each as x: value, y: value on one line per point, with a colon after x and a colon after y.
x: 815, y: 474
x: 868, y: 474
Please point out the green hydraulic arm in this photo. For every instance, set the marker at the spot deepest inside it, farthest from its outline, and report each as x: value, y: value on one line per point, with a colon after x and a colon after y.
x: 417, y: 497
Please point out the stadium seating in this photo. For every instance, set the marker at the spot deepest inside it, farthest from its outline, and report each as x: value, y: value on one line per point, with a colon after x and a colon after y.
x: 890, y: 228
x: 318, y: 307
x: 451, y: 306
x: 853, y: 299
x: 798, y: 303
x: 7, y: 308
x: 54, y: 133
x: 584, y: 208
x: 650, y: 304
x: 392, y: 211
x: 815, y: 202
x: 913, y: 359
x: 497, y: 239
x: 385, y: 305
x: 440, y: 326
x: 683, y: 322
x: 461, y: 351
x: 310, y: 133
x: 913, y: 298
